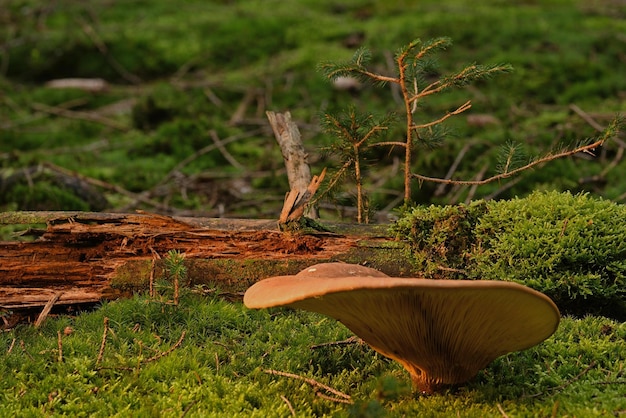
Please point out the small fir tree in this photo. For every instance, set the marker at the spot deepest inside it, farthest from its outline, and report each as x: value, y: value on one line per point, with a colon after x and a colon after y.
x: 413, y: 66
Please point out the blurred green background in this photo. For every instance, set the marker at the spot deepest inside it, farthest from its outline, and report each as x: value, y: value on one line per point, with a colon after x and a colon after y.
x: 174, y: 121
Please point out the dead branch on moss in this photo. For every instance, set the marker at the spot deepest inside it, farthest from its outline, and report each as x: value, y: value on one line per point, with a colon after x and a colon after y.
x: 587, y: 118
x: 347, y: 341
x: 60, y: 345
x: 314, y: 383
x: 10, y: 349
x: 227, y: 155
x: 137, y: 197
x: 75, y: 114
x: 455, y: 164
x: 501, y: 410
x: 96, y: 39
x: 169, y: 350
x: 293, y: 411
x: 104, y: 340
x: 47, y: 308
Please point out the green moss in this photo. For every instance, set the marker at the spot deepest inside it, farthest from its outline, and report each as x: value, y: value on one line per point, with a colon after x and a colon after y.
x: 570, y: 247
x: 220, y: 367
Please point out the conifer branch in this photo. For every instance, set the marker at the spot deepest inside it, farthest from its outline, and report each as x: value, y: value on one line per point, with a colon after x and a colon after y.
x: 549, y: 157
x: 465, y: 106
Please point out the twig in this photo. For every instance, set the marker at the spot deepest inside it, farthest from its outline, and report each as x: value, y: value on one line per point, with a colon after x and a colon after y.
x: 395, y: 89
x: 442, y: 187
x: 611, y: 382
x: 452, y: 270
x: 506, y: 186
x: 501, y: 410
x: 293, y: 412
x: 205, y: 150
x: 351, y: 340
x: 220, y: 146
x: 137, y: 197
x: 23, y: 347
x: 176, y: 288
x: 93, y: 85
x: 465, y: 106
x: 104, y: 340
x: 311, y: 382
x: 47, y: 308
x: 239, y: 114
x: 74, y: 114
x: 188, y: 408
x: 555, y: 409
x: 104, y: 50
x: 618, y: 157
x: 11, y: 346
x: 566, y: 384
x: 152, y: 265
x: 172, y: 348
x: 60, y: 344
x: 213, y: 97
x: 331, y: 398
x: 586, y: 117
x: 472, y: 190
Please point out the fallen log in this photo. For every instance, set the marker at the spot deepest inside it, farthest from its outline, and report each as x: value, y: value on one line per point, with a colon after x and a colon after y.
x: 85, y: 257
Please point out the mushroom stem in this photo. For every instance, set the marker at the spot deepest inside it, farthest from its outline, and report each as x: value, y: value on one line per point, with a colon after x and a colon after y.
x: 425, y: 386
x: 423, y: 382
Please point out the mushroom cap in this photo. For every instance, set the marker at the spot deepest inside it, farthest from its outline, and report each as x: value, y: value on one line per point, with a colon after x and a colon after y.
x: 442, y: 331
x: 340, y: 270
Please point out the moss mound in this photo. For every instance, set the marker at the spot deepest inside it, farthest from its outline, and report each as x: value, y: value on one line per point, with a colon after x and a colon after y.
x: 570, y: 247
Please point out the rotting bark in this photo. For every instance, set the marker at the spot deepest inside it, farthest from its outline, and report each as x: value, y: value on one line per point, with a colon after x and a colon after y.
x: 84, y: 257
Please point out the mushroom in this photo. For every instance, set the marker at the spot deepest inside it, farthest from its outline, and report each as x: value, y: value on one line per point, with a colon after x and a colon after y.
x: 442, y: 331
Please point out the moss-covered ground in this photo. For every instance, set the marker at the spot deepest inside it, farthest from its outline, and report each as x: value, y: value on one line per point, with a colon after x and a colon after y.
x: 211, y: 357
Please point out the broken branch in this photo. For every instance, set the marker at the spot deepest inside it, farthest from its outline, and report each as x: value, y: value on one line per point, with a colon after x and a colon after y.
x: 311, y: 382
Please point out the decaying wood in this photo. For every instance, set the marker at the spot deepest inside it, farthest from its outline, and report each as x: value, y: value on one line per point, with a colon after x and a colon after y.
x: 288, y: 137
x: 83, y: 257
x: 296, y: 201
x: 301, y: 185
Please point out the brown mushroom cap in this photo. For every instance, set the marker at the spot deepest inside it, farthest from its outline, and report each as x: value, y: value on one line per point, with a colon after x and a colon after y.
x: 340, y: 270
x: 442, y: 331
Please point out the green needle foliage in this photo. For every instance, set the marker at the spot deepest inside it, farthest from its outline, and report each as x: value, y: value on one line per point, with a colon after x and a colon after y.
x: 355, y: 134
x: 210, y: 357
x: 176, y: 271
x: 416, y: 80
x: 570, y: 247
x: 414, y: 71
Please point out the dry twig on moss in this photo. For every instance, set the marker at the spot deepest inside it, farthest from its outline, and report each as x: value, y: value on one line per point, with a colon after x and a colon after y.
x: 104, y: 340
x: 343, y: 397
x: 60, y: 345
x: 47, y: 308
x: 168, y: 351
